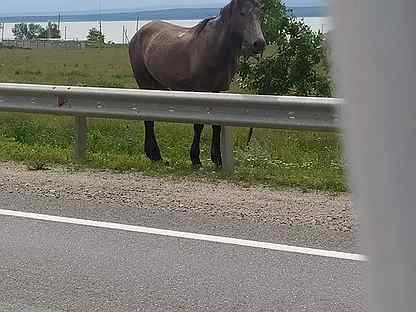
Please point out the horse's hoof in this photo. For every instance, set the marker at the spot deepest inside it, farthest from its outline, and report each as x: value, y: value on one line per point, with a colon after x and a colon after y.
x: 155, y: 158
x: 217, y: 161
x: 153, y: 155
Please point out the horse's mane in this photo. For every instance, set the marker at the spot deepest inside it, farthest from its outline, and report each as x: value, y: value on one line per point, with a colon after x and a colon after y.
x: 224, y: 13
x: 201, y: 26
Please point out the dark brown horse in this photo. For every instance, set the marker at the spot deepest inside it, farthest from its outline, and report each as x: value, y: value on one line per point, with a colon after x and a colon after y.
x: 202, y: 58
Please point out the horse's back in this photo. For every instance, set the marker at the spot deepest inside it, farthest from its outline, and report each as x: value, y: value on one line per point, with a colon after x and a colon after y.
x: 139, y: 47
x: 166, y: 35
x: 164, y: 50
x: 178, y: 58
x: 157, y: 36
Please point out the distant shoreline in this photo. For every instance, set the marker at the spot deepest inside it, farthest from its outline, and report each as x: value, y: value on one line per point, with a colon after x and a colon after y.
x: 168, y: 14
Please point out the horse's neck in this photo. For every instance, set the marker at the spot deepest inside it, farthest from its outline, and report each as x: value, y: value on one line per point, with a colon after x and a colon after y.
x: 221, y: 44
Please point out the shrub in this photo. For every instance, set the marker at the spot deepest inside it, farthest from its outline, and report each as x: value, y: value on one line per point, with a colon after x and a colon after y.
x: 295, y: 62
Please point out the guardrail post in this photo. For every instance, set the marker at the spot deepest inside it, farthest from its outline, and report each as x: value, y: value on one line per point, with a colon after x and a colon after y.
x: 227, y: 148
x: 81, y: 137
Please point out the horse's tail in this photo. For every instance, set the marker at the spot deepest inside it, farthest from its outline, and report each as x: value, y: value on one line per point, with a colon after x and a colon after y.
x: 250, y: 135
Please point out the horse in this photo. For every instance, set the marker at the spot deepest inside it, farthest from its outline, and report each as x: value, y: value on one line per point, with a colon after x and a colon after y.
x: 203, y: 58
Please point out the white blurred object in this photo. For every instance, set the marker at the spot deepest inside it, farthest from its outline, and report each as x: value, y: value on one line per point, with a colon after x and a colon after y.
x: 375, y: 45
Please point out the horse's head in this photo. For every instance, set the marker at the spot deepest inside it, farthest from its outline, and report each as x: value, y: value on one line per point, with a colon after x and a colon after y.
x: 246, y: 25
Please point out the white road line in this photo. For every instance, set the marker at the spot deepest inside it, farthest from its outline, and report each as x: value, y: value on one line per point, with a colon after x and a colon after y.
x: 187, y: 235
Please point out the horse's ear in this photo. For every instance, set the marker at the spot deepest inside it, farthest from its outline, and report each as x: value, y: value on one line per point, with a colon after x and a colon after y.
x: 237, y: 2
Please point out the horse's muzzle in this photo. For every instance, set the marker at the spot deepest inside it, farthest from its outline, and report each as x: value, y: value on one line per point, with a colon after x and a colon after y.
x: 259, y: 46
x: 252, y: 49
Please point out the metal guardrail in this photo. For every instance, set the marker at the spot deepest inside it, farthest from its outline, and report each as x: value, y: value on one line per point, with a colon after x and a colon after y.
x: 228, y: 110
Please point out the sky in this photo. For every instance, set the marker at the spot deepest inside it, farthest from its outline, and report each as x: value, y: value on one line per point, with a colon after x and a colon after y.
x: 19, y: 7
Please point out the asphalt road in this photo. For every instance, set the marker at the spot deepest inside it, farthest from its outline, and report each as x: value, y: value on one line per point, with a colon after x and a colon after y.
x: 47, y: 266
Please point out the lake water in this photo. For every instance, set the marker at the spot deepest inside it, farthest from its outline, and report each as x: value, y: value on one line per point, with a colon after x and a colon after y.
x: 113, y: 31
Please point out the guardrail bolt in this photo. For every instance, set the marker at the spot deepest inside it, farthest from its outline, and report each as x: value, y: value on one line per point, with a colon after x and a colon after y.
x: 61, y: 101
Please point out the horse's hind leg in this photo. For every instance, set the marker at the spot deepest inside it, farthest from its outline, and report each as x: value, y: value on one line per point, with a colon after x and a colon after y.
x: 146, y: 81
x: 195, y: 149
x: 216, y: 146
x: 151, y: 147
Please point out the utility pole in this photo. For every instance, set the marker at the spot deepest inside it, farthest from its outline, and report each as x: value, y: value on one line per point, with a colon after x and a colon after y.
x: 137, y: 23
x: 126, y: 35
x: 100, y: 21
x: 100, y: 17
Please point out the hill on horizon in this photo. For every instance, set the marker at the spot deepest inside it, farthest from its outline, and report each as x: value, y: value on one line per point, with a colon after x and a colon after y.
x: 81, y: 7
x: 165, y: 14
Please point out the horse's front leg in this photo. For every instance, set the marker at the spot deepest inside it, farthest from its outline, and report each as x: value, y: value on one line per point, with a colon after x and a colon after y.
x: 216, y: 146
x: 195, y: 148
x: 150, y: 144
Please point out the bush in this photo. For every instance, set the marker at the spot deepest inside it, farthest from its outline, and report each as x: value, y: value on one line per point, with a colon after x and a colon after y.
x: 95, y: 38
x: 295, y: 62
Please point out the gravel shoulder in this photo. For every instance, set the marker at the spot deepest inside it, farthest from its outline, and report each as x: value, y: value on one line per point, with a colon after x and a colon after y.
x: 222, y: 199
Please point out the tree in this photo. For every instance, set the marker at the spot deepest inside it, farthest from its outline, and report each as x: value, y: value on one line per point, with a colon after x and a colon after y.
x: 54, y: 31
x: 51, y: 31
x: 95, y: 37
x: 20, y: 31
x: 36, y: 31
x: 295, y: 61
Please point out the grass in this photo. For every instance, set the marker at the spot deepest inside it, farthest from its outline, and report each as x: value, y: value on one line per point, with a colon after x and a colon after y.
x: 84, y: 67
x: 307, y: 160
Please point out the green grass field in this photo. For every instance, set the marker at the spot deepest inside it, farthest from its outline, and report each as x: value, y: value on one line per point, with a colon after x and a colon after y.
x: 279, y: 158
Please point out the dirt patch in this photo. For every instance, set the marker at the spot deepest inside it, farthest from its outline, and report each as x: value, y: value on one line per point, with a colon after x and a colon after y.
x: 290, y: 207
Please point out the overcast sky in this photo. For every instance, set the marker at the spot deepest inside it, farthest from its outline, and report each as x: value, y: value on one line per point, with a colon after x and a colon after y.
x: 47, y: 6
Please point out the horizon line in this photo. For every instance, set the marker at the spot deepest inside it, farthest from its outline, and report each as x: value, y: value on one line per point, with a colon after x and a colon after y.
x: 115, y: 11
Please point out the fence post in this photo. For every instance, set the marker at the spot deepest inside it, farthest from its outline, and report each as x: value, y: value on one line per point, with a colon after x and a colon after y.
x: 227, y: 148
x: 81, y: 137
